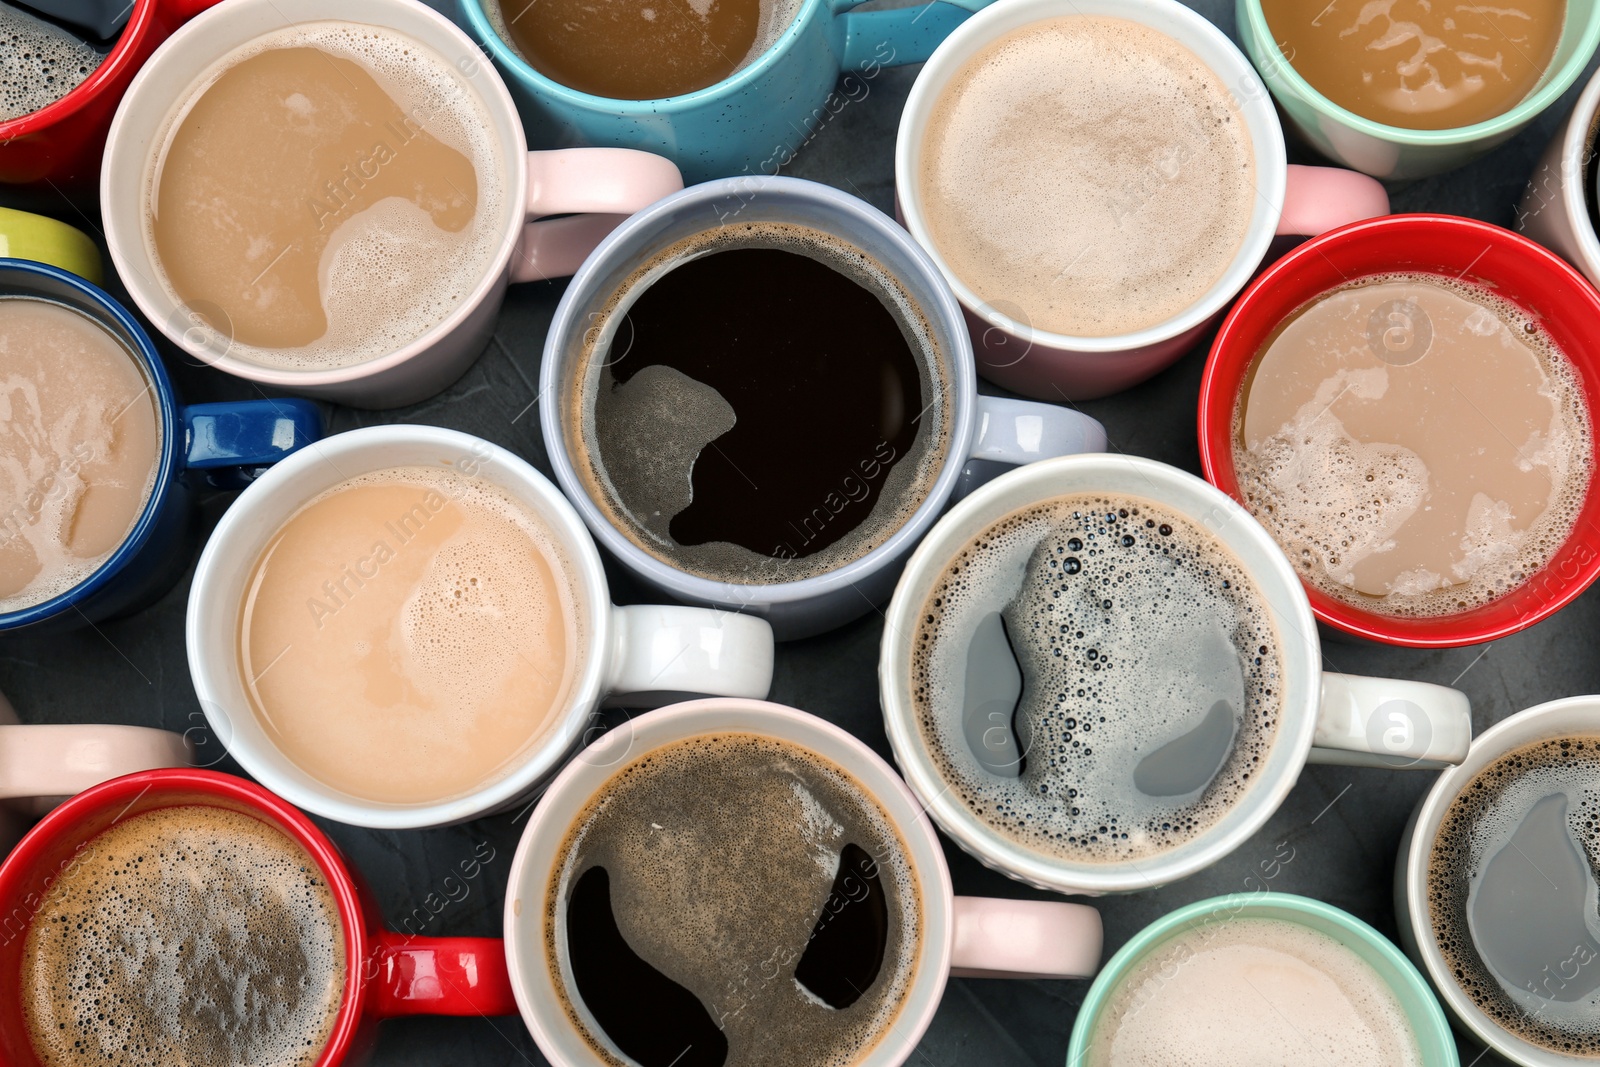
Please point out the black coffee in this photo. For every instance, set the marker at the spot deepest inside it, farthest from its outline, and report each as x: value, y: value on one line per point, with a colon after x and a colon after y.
x: 1097, y: 678
x: 760, y: 403
x: 731, y: 899
x: 40, y: 62
x: 1514, y: 893
x: 189, y: 937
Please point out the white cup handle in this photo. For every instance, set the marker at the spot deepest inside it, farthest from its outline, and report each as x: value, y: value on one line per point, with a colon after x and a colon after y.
x: 993, y: 938
x: 1385, y: 722
x: 662, y: 654
x: 1022, y: 431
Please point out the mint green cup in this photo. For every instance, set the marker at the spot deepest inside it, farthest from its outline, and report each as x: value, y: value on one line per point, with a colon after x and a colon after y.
x: 1392, y: 151
x: 1427, y: 1019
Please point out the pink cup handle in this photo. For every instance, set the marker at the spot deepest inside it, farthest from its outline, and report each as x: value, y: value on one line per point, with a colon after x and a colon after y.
x: 600, y: 187
x: 45, y: 763
x: 1319, y: 199
x: 1024, y: 939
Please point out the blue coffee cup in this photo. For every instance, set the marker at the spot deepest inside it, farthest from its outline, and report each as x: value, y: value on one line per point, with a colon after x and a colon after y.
x: 755, y: 120
x: 220, y: 446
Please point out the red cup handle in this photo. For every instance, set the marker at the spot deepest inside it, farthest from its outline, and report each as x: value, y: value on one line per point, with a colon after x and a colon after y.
x: 441, y: 976
x: 188, y: 9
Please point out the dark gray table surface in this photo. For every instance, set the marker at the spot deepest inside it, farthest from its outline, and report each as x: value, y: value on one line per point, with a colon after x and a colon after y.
x: 1344, y: 824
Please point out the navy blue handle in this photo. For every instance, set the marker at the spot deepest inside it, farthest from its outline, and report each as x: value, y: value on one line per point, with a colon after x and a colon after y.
x: 229, y: 444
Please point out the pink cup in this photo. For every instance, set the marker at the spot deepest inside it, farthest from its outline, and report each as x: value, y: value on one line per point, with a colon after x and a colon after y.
x: 963, y: 936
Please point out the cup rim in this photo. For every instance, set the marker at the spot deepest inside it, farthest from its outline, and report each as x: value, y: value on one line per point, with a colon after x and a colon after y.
x: 168, y: 457
x: 64, y: 820
x: 1275, y: 904
x: 525, y: 953
x: 1220, y: 385
x: 1266, y: 134
x: 1556, y: 82
x: 680, y: 583
x: 1292, y: 620
x: 502, y: 52
x: 1576, y: 145
x: 125, y: 238
x: 1515, y: 730
x: 113, y: 66
x: 543, y: 758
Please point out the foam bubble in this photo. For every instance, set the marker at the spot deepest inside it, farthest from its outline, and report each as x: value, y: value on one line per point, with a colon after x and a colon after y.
x: 39, y: 63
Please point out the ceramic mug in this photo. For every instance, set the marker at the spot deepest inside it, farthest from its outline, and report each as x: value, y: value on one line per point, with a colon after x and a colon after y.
x: 24, y: 235
x: 1289, y: 200
x: 1435, y: 1043
x: 986, y: 432
x: 387, y: 974
x: 605, y: 184
x: 1514, y: 269
x: 41, y: 764
x: 972, y: 936
x: 61, y: 144
x: 647, y: 654
x: 1555, y: 210
x: 216, y: 445
x: 1393, y: 152
x: 1323, y: 717
x: 755, y: 120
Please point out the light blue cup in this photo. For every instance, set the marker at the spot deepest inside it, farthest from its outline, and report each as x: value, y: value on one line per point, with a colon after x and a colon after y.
x: 753, y: 121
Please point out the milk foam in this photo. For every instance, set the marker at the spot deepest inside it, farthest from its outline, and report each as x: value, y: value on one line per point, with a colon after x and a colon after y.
x: 187, y: 936
x: 388, y: 275
x: 1247, y: 990
x: 1128, y: 623
x: 1089, y: 176
x: 39, y: 63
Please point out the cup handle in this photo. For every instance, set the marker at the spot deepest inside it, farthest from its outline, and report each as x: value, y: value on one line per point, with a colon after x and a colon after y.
x: 994, y: 938
x: 661, y: 654
x: 877, y: 39
x: 1384, y: 722
x: 440, y: 976
x: 1318, y: 199
x: 188, y: 9
x: 599, y: 187
x: 1014, y: 432
x: 231, y: 443
x: 45, y: 763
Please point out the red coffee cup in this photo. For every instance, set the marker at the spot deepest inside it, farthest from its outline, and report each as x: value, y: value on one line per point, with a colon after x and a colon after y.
x: 389, y: 974
x: 1515, y: 269
x: 61, y: 144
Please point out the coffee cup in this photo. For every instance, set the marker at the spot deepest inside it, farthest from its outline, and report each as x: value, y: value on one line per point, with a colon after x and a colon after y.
x: 24, y: 235
x: 1527, y: 998
x: 1295, y: 940
x: 1184, y: 555
x: 61, y: 144
x: 595, y: 187
x: 44, y: 763
x: 1555, y: 208
x: 1393, y: 152
x: 1014, y: 346
x: 962, y: 438
x: 753, y: 121
x: 196, y: 445
x: 954, y: 935
x: 1457, y: 250
x: 385, y: 974
x: 639, y: 655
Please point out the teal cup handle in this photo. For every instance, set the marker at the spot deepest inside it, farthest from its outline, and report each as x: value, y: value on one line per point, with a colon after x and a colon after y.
x: 755, y: 120
x: 1392, y: 152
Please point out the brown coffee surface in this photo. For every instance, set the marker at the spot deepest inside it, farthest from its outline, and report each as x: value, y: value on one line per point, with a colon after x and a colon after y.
x: 408, y: 635
x: 330, y: 195
x: 633, y: 50
x: 1416, y: 445
x: 189, y: 936
x: 78, y: 448
x: 1420, y: 64
x: 1088, y: 176
x: 722, y: 851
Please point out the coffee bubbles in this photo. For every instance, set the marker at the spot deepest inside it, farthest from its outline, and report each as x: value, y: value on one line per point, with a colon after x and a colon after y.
x: 39, y: 62
x: 1096, y: 678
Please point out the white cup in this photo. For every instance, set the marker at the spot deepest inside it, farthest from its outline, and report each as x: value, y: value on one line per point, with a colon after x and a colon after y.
x: 651, y: 654
x: 1555, y: 207
x: 971, y: 936
x: 610, y: 183
x: 1323, y: 717
x: 1572, y: 717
